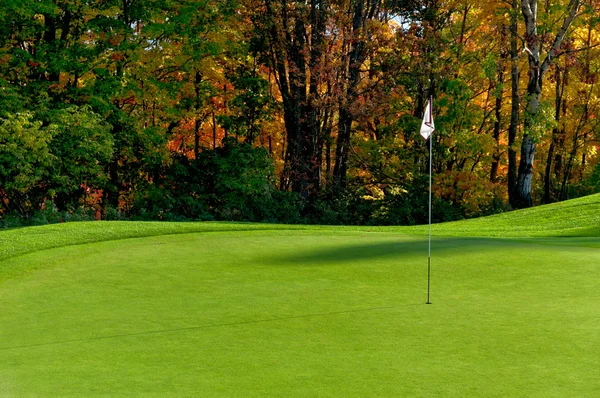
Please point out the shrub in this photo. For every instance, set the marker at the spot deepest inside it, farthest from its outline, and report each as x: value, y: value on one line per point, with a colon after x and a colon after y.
x: 234, y: 183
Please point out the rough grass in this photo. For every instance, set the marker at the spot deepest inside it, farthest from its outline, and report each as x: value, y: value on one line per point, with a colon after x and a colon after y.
x: 219, y: 309
x: 574, y: 218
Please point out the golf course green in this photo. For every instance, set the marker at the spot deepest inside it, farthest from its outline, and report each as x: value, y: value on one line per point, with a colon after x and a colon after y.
x: 134, y: 309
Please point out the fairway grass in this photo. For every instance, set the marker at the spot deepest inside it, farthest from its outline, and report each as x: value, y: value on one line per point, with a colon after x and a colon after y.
x: 256, y: 310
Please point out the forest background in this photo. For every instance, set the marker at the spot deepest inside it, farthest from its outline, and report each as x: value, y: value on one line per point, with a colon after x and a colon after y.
x: 294, y: 111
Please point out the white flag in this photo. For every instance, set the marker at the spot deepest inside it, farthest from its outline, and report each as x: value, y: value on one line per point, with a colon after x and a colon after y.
x: 427, y: 127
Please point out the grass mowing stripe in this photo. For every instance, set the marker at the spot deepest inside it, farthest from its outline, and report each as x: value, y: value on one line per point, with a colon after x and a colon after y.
x: 21, y: 241
x: 200, y: 327
x: 119, y: 238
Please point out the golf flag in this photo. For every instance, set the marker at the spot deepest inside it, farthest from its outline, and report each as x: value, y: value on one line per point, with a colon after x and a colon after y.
x: 427, y: 126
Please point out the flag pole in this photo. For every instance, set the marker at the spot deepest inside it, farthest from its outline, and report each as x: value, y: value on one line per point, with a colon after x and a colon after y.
x: 427, y: 129
x: 429, y: 229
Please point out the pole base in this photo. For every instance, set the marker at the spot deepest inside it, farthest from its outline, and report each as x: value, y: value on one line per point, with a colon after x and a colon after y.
x: 428, y: 302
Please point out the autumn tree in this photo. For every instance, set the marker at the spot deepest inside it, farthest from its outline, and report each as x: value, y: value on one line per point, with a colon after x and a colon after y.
x: 136, y: 99
x: 540, y: 59
x: 574, y: 135
x: 366, y: 19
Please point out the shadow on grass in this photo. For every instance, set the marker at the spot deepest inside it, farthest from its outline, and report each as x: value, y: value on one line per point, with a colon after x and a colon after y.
x: 591, y: 232
x: 400, y: 249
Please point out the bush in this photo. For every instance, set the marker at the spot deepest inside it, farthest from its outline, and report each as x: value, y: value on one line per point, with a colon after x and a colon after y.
x: 233, y: 183
x: 81, y: 145
x: 25, y: 162
x: 49, y: 214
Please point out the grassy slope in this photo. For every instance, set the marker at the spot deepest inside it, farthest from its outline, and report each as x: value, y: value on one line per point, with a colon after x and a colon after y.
x: 262, y: 310
x: 575, y: 218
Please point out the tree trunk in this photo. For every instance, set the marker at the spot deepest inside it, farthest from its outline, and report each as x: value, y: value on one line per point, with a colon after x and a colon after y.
x: 362, y: 12
x: 354, y: 61
x: 214, y: 128
x: 548, y: 195
x: 515, y: 104
x: 293, y: 54
x: 498, y: 122
x: 198, y: 121
x: 340, y: 169
x: 523, y: 189
x: 537, y: 70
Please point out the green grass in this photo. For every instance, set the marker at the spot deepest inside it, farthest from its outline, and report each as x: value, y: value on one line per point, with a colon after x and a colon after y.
x: 254, y: 310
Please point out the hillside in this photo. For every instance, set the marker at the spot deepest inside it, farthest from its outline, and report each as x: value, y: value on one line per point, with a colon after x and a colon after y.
x: 574, y: 218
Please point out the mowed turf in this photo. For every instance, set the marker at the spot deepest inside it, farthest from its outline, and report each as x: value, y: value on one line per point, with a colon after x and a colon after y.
x: 247, y: 310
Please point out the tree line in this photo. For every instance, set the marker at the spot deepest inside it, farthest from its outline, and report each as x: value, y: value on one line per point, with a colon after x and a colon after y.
x: 294, y: 110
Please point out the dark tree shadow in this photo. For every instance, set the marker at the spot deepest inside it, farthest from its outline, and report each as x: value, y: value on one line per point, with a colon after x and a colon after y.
x: 400, y: 249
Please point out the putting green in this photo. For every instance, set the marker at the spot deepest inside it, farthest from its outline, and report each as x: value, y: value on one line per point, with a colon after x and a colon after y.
x: 300, y: 312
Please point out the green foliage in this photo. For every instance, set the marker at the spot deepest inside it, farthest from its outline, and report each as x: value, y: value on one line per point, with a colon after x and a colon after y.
x: 168, y: 204
x: 125, y: 92
x: 541, y: 124
x: 410, y: 206
x: 240, y: 182
x: 10, y: 100
x: 62, y: 162
x: 48, y: 214
x: 234, y: 182
x: 250, y: 107
x: 589, y: 184
x: 83, y: 146
x: 25, y: 162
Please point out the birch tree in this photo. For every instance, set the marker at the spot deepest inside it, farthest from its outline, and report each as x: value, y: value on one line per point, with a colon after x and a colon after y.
x: 539, y: 63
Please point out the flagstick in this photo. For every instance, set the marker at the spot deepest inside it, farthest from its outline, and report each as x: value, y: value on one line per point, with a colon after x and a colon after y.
x: 429, y: 248
x: 427, y: 129
x: 429, y: 233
